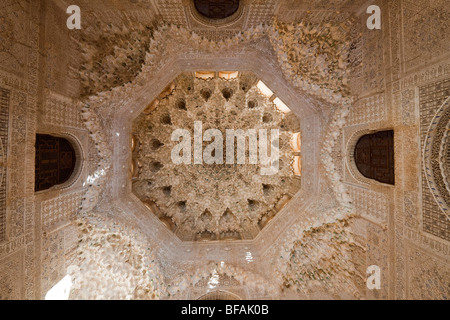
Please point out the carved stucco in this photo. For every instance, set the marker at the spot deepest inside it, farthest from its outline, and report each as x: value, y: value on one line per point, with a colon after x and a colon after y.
x: 213, y: 200
x: 387, y: 68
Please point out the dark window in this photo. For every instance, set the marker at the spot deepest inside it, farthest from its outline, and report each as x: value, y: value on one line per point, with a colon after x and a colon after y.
x: 374, y: 156
x: 217, y: 9
x: 55, y: 161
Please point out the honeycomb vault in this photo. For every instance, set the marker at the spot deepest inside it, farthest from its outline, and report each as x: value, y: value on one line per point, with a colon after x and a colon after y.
x: 213, y: 201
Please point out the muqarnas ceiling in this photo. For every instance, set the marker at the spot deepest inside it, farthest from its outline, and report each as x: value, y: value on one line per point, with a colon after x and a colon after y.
x: 213, y: 201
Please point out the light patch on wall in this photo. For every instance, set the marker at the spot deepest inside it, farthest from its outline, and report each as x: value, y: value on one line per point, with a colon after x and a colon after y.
x: 214, y: 280
x: 94, y: 177
x: 297, y: 165
x: 264, y: 89
x: 228, y: 75
x: 61, y: 290
x: 281, y: 105
x: 249, y: 257
x: 205, y: 75
x: 296, y: 142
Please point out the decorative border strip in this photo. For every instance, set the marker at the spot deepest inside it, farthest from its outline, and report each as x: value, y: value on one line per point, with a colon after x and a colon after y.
x: 426, y: 241
x: 96, y: 182
x: 11, y: 246
x: 4, y: 125
x: 350, y: 156
x: 428, y: 158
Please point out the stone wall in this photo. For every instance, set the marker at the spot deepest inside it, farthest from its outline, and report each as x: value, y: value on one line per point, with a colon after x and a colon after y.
x: 406, y: 218
x: 399, y: 79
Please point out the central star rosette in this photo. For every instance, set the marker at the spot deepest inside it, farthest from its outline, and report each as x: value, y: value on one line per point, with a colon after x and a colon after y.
x: 214, y: 158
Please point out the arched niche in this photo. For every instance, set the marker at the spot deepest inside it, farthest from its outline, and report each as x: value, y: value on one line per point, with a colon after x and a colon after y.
x: 296, y: 144
x: 371, y: 156
x: 219, y: 295
x: 216, y: 9
x: 217, y: 13
x: 436, y: 157
x: 58, y: 161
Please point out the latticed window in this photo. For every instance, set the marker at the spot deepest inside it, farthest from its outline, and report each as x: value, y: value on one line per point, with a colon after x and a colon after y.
x: 374, y: 156
x: 55, y: 161
x: 217, y: 9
